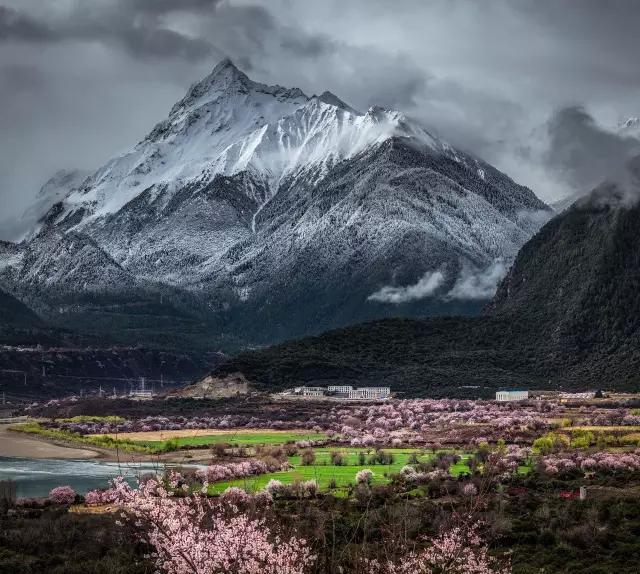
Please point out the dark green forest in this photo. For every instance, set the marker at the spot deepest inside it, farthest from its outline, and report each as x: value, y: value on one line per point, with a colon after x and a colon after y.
x: 567, y: 316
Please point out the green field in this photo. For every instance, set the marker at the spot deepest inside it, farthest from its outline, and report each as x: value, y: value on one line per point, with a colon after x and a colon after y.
x: 323, y: 471
x: 235, y: 438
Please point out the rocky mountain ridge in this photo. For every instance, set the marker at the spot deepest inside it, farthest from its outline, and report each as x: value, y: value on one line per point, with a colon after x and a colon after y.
x: 262, y: 214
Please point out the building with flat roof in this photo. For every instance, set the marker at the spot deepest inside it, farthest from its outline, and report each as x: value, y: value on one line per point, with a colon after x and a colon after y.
x: 339, y: 388
x: 512, y: 395
x: 142, y: 392
x: 313, y: 391
x: 370, y: 393
x: 343, y: 392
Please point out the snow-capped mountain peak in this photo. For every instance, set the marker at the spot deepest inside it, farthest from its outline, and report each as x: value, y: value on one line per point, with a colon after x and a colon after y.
x: 227, y: 124
x: 248, y: 195
x: 227, y: 80
x: 333, y: 100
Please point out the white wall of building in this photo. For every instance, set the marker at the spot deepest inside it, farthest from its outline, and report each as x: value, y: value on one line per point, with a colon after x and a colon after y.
x: 507, y: 396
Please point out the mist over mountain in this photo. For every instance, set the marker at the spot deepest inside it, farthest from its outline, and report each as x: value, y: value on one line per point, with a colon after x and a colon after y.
x: 256, y: 213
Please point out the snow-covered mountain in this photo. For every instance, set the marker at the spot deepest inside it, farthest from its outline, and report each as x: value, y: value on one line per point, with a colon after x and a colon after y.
x: 274, y: 213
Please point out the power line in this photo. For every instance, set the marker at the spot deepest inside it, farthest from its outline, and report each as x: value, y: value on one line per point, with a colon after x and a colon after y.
x: 127, y: 379
x: 24, y: 373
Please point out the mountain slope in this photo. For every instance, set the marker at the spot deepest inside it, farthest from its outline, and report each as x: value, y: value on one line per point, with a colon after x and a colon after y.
x: 15, y: 313
x: 582, y: 271
x: 566, y: 316
x: 271, y: 214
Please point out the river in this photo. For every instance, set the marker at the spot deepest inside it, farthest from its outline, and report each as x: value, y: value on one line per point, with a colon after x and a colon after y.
x: 36, y: 477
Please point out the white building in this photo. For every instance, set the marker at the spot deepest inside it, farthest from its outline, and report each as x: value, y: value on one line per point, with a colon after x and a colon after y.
x: 313, y: 392
x: 370, y: 393
x: 141, y: 392
x: 339, y: 388
x: 512, y: 395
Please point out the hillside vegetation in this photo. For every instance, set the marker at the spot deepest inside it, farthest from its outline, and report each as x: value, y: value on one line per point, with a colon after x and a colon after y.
x: 566, y: 316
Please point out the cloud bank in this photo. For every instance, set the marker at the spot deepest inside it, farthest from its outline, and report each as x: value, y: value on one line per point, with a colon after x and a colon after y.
x: 428, y: 284
x: 475, y: 284
x: 471, y: 284
x: 81, y: 81
x: 583, y: 153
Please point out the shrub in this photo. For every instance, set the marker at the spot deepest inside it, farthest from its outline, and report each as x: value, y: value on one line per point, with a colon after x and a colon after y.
x: 550, y: 442
x: 274, y: 487
x: 364, y: 476
x: 62, y: 495
x: 290, y: 449
x: 308, y: 457
x: 582, y: 439
x: 220, y: 449
x: 469, y: 489
x: 337, y: 459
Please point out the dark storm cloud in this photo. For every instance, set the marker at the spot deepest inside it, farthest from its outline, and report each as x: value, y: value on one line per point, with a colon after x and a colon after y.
x: 14, y: 25
x: 605, y: 28
x: 134, y: 27
x: 145, y: 41
x: 309, y: 47
x: 585, y: 154
x: 81, y: 80
x: 167, y: 6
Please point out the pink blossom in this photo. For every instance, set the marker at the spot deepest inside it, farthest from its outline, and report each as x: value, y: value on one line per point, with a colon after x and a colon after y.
x: 62, y: 495
x: 469, y: 489
x: 456, y: 550
x: 197, y: 535
x: 96, y: 497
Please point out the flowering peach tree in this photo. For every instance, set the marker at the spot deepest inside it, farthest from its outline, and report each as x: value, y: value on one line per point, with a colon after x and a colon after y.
x: 458, y: 549
x: 193, y: 534
x: 62, y: 495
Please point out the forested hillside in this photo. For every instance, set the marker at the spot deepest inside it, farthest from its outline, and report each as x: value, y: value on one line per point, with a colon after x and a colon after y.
x: 566, y: 316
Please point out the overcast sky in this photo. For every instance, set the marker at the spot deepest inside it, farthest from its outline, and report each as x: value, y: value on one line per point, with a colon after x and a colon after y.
x: 534, y: 87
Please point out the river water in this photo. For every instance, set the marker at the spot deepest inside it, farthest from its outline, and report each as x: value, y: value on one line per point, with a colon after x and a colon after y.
x: 36, y: 477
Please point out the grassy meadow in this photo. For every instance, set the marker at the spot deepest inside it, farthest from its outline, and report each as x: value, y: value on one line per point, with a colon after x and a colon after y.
x: 244, y: 437
x: 323, y: 471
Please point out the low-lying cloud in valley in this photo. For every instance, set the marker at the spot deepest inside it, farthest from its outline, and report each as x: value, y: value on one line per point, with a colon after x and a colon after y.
x: 477, y: 284
x: 471, y: 284
x: 428, y: 284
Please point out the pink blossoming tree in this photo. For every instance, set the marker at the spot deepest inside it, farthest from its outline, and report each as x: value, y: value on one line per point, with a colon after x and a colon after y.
x: 456, y: 550
x: 62, y: 495
x: 197, y: 535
